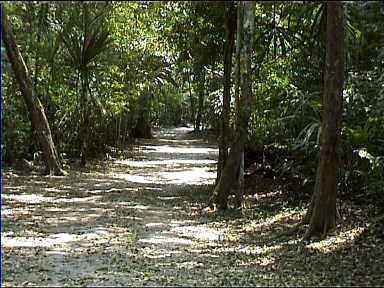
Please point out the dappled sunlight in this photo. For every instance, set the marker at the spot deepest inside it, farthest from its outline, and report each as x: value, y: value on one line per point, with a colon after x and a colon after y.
x: 14, y: 188
x: 190, y: 264
x: 28, y: 198
x: 176, y: 223
x: 192, y: 176
x: 264, y: 261
x: 150, y: 149
x: 8, y: 212
x: 169, y: 198
x: 137, y: 207
x: 132, y: 178
x: 35, y: 199
x: 338, y: 241
x: 159, y: 252
x: 278, y: 218
x: 134, y: 220
x: 172, y: 132
x: 50, y: 241
x: 166, y: 162
x: 156, y: 225
x: 200, y: 233
x: 165, y: 240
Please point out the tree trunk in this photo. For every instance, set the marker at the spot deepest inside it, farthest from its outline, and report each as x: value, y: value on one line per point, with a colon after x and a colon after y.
x: 37, y: 115
x: 192, y: 99
x: 323, y: 218
x: 240, y: 180
x: 84, y: 128
x: 231, y: 171
x: 230, y: 27
x: 200, y: 81
x: 143, y: 127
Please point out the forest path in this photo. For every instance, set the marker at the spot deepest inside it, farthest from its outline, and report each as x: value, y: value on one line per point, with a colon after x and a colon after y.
x: 129, y: 222
x: 126, y: 222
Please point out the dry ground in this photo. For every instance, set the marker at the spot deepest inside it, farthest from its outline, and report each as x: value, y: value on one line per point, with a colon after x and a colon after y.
x: 131, y: 222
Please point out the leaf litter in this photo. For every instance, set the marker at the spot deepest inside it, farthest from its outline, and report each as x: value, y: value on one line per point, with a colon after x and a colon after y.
x: 132, y: 222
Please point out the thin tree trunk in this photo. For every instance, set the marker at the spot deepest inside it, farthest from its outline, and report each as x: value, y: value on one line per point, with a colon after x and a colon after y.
x: 230, y: 27
x: 240, y: 182
x: 231, y: 170
x: 308, y: 215
x: 84, y: 129
x: 200, y: 105
x: 323, y: 217
x: 193, y: 109
x: 38, y: 118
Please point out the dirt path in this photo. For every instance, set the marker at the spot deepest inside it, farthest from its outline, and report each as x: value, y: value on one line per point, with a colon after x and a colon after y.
x: 128, y: 222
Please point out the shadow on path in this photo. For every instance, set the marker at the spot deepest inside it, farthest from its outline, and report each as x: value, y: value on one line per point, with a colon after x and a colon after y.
x: 129, y: 222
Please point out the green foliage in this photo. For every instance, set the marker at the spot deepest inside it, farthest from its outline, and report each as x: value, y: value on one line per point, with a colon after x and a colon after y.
x: 93, y: 63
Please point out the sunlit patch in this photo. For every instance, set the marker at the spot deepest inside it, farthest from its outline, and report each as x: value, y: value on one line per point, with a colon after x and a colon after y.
x: 279, y: 217
x: 336, y: 242
x: 200, y: 233
x: 172, y: 133
x: 259, y: 250
x: 14, y: 211
x: 164, y: 240
x: 178, y: 150
x: 190, y: 264
x: 259, y: 197
x: 167, y: 163
x: 91, y: 199
x: 56, y: 253
x: 28, y: 198
x: 152, y: 188
x: 260, y: 261
x: 176, y: 223
x: 193, y: 176
x: 52, y: 240
x: 156, y: 225
x: 50, y: 189
x: 132, y: 178
x: 36, y: 199
x: 138, y: 207
x: 169, y: 197
x: 54, y: 209
x: 14, y: 188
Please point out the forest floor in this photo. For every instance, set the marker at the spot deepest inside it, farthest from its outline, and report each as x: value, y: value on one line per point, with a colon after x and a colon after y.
x: 135, y: 220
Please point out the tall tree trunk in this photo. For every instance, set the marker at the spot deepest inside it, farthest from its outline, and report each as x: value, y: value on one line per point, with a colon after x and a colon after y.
x: 240, y: 179
x: 323, y: 218
x: 231, y: 170
x: 37, y: 115
x: 230, y: 28
x: 200, y: 73
x: 84, y: 128
x: 192, y: 99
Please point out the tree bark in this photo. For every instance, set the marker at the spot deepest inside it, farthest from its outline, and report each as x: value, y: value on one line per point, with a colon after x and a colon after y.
x: 230, y: 28
x: 37, y: 115
x: 323, y: 218
x: 200, y: 77
x: 192, y: 99
x: 231, y: 170
x: 240, y: 180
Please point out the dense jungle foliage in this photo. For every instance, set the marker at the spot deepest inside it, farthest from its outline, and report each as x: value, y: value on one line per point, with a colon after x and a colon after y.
x: 108, y: 72
x: 193, y: 143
